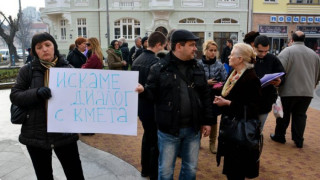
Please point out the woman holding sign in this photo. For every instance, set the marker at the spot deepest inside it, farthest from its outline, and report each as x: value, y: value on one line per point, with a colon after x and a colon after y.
x: 31, y: 92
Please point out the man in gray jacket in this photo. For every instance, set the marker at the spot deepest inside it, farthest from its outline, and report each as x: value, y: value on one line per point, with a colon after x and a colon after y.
x: 302, y: 67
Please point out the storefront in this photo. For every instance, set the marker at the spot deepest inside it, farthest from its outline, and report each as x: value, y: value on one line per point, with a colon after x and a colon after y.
x: 278, y: 37
x: 312, y: 36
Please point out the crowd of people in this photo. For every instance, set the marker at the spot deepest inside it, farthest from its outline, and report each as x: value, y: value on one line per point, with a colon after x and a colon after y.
x: 180, y: 98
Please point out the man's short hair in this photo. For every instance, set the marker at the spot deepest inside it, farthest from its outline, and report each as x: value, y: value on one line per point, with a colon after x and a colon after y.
x: 297, y: 38
x: 155, y: 38
x: 230, y: 41
x: 262, y: 40
x: 136, y: 39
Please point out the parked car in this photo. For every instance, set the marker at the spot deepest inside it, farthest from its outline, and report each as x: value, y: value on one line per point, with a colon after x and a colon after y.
x: 20, y: 53
x: 5, y: 53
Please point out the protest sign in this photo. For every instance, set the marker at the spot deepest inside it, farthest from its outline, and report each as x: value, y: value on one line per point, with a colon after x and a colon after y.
x: 93, y: 101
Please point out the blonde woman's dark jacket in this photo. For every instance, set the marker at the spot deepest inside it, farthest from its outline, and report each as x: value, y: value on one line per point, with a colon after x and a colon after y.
x: 34, y: 129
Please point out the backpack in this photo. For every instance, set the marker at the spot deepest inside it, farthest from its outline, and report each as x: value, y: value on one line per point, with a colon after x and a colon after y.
x: 19, y: 114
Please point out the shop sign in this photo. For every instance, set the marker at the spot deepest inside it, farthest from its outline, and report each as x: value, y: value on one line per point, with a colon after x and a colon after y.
x: 309, y: 29
x: 288, y: 18
x: 317, y: 19
x: 280, y: 18
x: 310, y: 19
x: 273, y: 18
x: 296, y: 19
x: 273, y: 29
x: 303, y: 19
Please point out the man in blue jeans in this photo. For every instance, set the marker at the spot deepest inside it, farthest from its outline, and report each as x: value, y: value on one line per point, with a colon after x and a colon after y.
x: 183, y: 109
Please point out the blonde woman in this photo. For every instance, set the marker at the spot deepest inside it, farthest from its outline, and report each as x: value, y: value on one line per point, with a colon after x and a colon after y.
x: 241, y: 91
x: 216, y: 74
x: 95, y: 57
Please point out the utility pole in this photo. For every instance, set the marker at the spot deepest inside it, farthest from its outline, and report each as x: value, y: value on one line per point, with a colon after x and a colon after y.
x: 108, y: 25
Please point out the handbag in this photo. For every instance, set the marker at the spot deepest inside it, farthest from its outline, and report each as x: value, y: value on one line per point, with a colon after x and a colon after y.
x: 242, y: 133
x: 277, y: 108
x: 19, y: 114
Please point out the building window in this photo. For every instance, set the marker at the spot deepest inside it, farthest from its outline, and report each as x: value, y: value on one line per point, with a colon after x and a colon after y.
x: 63, y: 29
x: 192, y: 3
x: 127, y: 28
x: 270, y: 1
x: 81, y: 2
x: 126, y: 3
x: 191, y: 21
x: 226, y: 21
x: 227, y: 3
x: 82, y: 27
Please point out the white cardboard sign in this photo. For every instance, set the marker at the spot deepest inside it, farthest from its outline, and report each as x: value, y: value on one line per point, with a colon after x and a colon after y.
x: 93, y: 101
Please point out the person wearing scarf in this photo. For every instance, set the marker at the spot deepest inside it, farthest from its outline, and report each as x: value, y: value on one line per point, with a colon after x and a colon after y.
x: 216, y: 74
x: 115, y: 61
x: 33, y: 96
x: 242, y: 89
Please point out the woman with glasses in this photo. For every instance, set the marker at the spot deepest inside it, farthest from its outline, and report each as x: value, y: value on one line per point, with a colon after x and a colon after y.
x: 115, y: 61
x: 94, y: 54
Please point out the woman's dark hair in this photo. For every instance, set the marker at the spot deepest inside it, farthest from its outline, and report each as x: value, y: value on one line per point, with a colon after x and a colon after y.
x: 250, y: 37
x: 113, y: 42
x: 38, y: 38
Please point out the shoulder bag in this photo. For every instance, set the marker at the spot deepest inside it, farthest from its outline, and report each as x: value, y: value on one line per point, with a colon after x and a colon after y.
x: 19, y: 114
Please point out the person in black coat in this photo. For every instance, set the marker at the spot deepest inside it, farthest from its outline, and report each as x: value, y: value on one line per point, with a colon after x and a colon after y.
x: 267, y: 64
x: 144, y: 42
x: 242, y: 89
x: 225, y: 55
x: 125, y: 51
x: 134, y: 49
x: 149, y: 147
x: 183, y: 110
x: 34, y: 97
x: 76, y: 57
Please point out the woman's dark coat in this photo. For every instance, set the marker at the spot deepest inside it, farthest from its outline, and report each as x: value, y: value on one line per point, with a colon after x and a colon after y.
x: 34, y: 129
x: 246, y: 92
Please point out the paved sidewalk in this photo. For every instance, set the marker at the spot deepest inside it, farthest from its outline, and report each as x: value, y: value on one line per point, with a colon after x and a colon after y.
x: 15, y: 162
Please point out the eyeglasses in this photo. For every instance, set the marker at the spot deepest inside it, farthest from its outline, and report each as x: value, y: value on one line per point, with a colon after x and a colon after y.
x: 116, y: 44
x: 88, y: 44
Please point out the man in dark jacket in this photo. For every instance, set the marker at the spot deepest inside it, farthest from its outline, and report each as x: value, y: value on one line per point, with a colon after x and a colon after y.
x: 225, y: 55
x: 178, y: 87
x: 149, y: 148
x: 266, y: 64
x: 125, y: 51
x: 134, y: 49
x: 76, y: 57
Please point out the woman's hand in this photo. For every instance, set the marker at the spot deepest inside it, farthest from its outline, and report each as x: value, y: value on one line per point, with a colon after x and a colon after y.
x: 220, y: 101
x: 212, y: 81
x: 124, y: 63
x: 139, y: 88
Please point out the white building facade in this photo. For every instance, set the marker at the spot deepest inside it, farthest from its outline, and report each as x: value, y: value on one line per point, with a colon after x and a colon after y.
x: 209, y: 19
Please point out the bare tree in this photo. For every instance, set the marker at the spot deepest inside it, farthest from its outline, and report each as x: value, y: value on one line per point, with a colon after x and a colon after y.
x: 24, y: 34
x: 9, y: 33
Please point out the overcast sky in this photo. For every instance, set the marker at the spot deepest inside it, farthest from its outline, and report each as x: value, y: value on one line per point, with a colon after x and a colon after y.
x: 11, y: 7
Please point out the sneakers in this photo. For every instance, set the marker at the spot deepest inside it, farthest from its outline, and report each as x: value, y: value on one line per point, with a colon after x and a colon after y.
x: 278, y: 139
